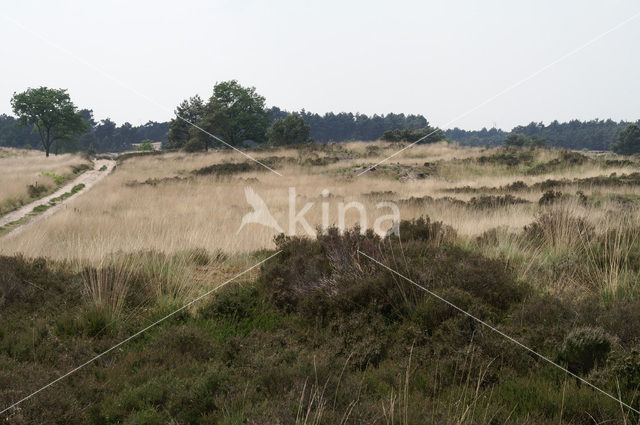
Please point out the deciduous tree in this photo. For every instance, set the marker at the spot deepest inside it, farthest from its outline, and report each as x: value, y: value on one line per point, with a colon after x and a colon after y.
x: 289, y: 130
x: 52, y: 114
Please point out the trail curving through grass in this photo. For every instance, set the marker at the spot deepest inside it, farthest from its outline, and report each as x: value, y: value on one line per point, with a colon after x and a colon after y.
x: 16, y: 221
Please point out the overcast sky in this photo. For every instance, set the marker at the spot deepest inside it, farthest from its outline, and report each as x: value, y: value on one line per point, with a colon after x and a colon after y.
x: 438, y: 59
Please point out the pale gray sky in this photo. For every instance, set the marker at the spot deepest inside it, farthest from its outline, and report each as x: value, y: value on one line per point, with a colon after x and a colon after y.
x: 438, y: 59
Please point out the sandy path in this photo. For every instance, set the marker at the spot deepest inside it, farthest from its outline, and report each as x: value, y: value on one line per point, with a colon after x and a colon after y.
x: 89, y: 178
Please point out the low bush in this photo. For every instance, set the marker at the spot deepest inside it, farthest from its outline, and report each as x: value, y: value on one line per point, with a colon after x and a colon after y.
x: 231, y: 168
x: 550, y: 197
x: 26, y: 281
x: 426, y: 135
x: 584, y: 349
x: 624, y: 368
x: 488, y: 202
x: 510, y: 157
x: 77, y: 169
x: 36, y: 191
x: 566, y: 160
x: 327, y: 277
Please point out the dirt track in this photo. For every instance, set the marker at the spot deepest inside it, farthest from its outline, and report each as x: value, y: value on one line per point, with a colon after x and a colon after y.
x: 89, y: 179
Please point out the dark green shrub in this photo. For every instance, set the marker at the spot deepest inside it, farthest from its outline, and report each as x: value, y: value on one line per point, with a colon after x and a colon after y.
x: 425, y: 230
x: 585, y: 348
x: 550, y: 197
x: 320, y: 161
x: 233, y: 303
x: 625, y: 367
x: 77, y: 169
x: 194, y: 145
x: 25, y: 282
x: 327, y: 277
x: 509, y: 157
x: 36, y: 191
x: 542, y: 322
x: 230, y: 168
x: 515, y: 186
x: 622, y: 319
x: 487, y: 202
x: 95, y: 321
x: 427, y: 134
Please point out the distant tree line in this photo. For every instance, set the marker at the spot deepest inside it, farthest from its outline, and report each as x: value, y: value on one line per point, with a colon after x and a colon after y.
x: 484, y: 137
x: 106, y: 136
x: 99, y: 136
x: 237, y: 116
x: 345, y: 126
x: 575, y: 134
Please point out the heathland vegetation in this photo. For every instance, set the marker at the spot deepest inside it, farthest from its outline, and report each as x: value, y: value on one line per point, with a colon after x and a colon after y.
x: 541, y: 243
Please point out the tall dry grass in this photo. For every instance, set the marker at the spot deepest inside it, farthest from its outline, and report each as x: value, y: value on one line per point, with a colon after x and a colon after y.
x: 20, y: 168
x: 609, y: 257
x: 120, y: 215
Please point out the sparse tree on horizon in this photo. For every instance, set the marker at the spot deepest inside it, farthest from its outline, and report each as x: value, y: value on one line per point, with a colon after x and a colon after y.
x: 52, y: 114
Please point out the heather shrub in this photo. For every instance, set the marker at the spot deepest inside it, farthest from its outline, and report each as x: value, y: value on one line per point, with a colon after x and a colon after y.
x: 625, y: 367
x: 565, y: 160
x: 425, y: 230
x: 515, y: 186
x: 27, y: 281
x: 36, y: 191
x: 585, y: 348
x: 488, y: 202
x: 327, y: 277
x: 510, y: 157
x: 549, y: 197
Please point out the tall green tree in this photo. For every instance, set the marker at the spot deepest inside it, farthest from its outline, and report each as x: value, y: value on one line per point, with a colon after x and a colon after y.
x: 51, y: 112
x: 189, y: 111
x: 628, y: 140
x: 234, y: 113
x: 289, y: 130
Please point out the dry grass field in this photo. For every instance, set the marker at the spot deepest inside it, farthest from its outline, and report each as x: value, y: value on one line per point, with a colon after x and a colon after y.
x: 156, y: 203
x: 543, y: 244
x: 21, y: 168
